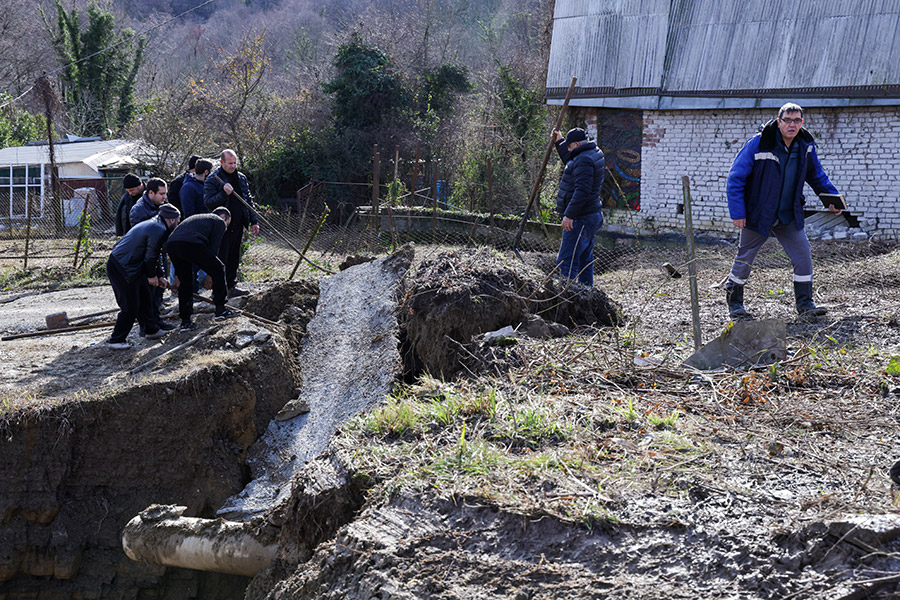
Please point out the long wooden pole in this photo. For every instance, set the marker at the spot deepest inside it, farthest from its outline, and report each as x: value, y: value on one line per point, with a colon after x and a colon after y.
x: 275, y: 229
x: 540, y: 177
x: 44, y: 332
x: 376, y: 183
x: 193, y: 340
x: 29, y: 205
x: 692, y: 266
x: 490, y: 174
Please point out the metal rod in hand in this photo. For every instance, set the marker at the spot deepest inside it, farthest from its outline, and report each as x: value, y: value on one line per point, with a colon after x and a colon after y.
x: 273, y: 228
x: 540, y: 177
x: 193, y: 340
x: 249, y: 315
x: 692, y: 265
x: 376, y: 182
x: 29, y: 206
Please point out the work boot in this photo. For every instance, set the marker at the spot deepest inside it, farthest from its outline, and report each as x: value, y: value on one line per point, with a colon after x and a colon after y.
x: 734, y: 296
x: 805, y: 305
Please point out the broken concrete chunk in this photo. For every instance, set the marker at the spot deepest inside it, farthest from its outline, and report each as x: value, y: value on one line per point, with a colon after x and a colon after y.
x: 536, y: 327
x: 743, y: 344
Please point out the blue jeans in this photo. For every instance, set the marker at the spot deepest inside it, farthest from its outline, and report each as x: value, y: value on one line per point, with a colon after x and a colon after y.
x: 576, y: 251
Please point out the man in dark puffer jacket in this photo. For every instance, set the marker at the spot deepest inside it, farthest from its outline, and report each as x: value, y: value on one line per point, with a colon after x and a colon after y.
x: 578, y: 201
x: 133, y: 266
x: 196, y: 242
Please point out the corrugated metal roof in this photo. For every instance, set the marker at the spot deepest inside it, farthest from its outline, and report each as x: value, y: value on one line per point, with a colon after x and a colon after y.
x: 93, y: 154
x: 726, y: 49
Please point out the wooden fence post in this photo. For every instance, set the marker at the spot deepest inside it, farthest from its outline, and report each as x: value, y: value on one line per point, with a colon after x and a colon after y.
x: 376, y: 166
x: 490, y: 174
x: 28, y: 208
x: 692, y: 267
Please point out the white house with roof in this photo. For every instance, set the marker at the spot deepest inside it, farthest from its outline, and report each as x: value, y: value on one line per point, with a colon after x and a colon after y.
x: 80, y: 164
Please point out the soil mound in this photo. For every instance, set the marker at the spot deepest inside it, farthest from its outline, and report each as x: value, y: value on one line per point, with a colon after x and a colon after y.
x: 463, y: 293
x: 292, y: 302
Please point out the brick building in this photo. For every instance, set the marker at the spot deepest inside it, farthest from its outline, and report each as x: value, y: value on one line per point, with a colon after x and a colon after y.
x: 675, y: 87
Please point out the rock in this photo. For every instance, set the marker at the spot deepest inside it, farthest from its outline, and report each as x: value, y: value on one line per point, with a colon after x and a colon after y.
x: 494, y: 337
x: 242, y: 341
x: 859, y: 235
x: 294, y: 408
x: 841, y: 235
x: 262, y: 337
x: 536, y: 327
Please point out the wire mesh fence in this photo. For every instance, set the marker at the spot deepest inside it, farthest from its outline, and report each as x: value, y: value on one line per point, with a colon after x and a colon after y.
x: 311, y: 235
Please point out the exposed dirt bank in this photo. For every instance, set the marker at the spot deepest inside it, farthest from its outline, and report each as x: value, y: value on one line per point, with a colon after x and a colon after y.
x: 90, y: 446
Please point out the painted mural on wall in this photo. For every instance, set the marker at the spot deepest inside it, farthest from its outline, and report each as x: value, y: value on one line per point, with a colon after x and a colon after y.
x: 620, y: 136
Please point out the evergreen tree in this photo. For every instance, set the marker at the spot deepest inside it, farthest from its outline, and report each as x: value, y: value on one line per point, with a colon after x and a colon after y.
x: 100, y: 69
x: 367, y: 90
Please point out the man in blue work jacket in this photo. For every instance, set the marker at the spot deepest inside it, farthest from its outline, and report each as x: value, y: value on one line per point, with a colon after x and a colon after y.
x: 765, y: 197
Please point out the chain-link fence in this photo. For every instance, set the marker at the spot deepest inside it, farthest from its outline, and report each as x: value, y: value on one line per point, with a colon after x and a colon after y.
x: 312, y: 234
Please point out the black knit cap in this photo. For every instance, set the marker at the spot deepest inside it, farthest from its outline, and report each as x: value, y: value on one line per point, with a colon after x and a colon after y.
x: 576, y: 135
x: 167, y: 211
x: 131, y: 181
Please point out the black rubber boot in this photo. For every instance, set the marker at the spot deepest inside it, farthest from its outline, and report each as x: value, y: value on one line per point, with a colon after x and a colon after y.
x: 734, y: 296
x: 805, y: 305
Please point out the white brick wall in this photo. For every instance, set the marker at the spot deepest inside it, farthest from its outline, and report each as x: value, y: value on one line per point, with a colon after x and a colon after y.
x: 859, y: 149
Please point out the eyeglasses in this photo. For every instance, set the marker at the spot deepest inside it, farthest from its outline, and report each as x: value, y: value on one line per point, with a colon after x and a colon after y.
x: 796, y: 121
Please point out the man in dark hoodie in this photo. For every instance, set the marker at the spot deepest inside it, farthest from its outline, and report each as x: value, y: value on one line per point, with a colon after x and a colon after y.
x: 765, y: 197
x: 132, y: 267
x: 192, y: 189
x: 220, y: 189
x: 578, y: 201
x: 196, y: 242
x: 133, y: 190
x: 176, y: 184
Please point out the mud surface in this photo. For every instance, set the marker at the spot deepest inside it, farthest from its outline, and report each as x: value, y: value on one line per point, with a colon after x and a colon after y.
x: 422, y: 548
x: 780, y: 492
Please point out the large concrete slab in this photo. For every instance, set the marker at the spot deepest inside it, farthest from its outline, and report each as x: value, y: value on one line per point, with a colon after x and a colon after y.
x: 350, y: 359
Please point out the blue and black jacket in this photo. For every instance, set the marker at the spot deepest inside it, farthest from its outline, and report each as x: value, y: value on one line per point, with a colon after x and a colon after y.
x: 754, y: 182
x: 581, y: 181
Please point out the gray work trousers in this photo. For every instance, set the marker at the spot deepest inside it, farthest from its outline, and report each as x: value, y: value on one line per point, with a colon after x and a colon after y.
x: 794, y: 242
